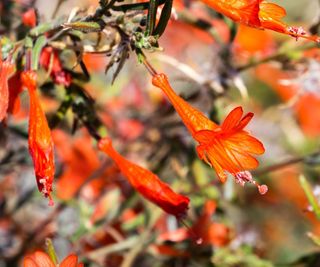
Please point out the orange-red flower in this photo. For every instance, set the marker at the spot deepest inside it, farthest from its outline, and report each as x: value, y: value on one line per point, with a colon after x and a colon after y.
x: 242, y: 11
x: 214, y: 233
x: 40, y: 139
x: 258, y: 13
x: 29, y: 18
x: 227, y: 147
x: 6, y: 69
x: 147, y: 184
x: 50, y: 60
x: 41, y: 259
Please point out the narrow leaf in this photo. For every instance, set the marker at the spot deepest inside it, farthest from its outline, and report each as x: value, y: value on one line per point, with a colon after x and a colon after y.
x: 151, y: 18
x: 84, y: 26
x: 164, y: 18
x: 36, y: 51
x: 310, y: 196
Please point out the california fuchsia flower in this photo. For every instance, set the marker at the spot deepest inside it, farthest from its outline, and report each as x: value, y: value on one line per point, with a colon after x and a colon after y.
x: 40, y: 139
x: 147, y: 184
x: 226, y: 148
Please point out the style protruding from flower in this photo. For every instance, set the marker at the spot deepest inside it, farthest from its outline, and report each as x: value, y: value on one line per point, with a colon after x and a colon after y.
x: 147, y: 184
x: 40, y: 139
x: 259, y: 14
x: 41, y: 259
x: 225, y: 148
x: 6, y: 69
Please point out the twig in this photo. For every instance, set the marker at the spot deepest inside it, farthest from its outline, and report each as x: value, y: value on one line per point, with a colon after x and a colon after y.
x: 144, y: 239
x: 58, y: 5
x: 285, y: 163
x: 276, y: 56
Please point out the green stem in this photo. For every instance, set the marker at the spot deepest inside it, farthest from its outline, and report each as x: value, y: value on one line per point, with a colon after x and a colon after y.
x: 310, y: 196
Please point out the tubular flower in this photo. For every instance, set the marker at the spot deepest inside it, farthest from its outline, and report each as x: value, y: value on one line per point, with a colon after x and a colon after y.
x: 6, y: 69
x: 147, y: 184
x: 259, y: 14
x: 225, y: 148
x: 41, y: 259
x: 40, y: 139
x: 242, y: 11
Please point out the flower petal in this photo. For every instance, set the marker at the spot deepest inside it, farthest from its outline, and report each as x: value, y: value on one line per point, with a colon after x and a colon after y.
x: 204, y: 136
x: 42, y: 259
x: 29, y: 262
x: 243, y: 11
x: 244, y: 121
x: 233, y: 119
x: 70, y: 261
x: 245, y: 142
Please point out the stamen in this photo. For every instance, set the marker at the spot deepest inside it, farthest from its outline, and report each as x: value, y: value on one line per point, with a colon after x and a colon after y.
x: 246, y: 177
x: 297, y: 32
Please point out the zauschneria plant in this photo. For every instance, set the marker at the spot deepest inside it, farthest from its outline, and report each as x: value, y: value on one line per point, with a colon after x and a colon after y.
x: 148, y: 184
x: 225, y: 148
x: 40, y: 139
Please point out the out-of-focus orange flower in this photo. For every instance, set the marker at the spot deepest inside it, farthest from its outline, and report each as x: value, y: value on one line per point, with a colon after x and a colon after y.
x: 29, y: 18
x: 6, y: 69
x: 171, y: 251
x: 191, y: 38
x: 41, y: 259
x: 252, y: 42
x: 227, y: 147
x: 130, y: 129
x: 50, y: 60
x: 148, y: 184
x: 307, y: 105
x: 40, y: 139
x: 210, y: 232
x: 94, y: 62
x: 259, y: 14
x: 80, y: 160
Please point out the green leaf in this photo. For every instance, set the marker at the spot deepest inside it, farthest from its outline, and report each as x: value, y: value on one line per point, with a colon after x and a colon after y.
x: 151, y: 18
x: 28, y: 43
x: 164, y: 18
x: 310, y: 196
x: 85, y: 26
x: 36, y: 51
x: 41, y: 29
